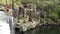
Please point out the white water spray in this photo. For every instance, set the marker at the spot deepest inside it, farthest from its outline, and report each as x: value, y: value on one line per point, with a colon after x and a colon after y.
x: 4, y: 23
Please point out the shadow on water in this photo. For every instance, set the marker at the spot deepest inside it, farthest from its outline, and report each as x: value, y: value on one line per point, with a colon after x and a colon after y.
x: 41, y: 30
x: 17, y: 31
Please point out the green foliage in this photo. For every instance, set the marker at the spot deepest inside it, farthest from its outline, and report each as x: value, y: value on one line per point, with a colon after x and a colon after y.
x: 58, y: 10
x: 51, y: 8
x: 41, y: 3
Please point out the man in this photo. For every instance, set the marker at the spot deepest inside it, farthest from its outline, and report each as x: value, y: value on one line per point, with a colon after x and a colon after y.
x: 7, y: 7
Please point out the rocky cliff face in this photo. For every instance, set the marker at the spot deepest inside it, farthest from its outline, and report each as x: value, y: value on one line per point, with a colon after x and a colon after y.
x: 27, y: 17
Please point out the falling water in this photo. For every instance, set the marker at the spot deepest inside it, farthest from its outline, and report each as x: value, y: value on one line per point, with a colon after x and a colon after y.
x: 5, y: 23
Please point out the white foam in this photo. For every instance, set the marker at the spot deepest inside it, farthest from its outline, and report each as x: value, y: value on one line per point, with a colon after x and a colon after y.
x: 4, y: 28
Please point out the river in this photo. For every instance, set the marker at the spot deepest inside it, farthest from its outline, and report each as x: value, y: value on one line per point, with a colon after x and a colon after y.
x: 43, y: 30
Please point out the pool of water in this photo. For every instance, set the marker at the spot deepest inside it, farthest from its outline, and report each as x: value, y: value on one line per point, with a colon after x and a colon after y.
x: 43, y: 30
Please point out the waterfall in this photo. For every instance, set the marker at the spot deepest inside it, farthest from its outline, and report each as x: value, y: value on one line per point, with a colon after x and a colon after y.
x: 6, y: 23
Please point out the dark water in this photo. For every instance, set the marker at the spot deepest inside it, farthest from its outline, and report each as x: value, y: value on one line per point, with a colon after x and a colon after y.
x: 44, y: 30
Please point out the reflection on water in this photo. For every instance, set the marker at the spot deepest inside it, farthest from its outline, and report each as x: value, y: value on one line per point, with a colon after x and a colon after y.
x: 44, y: 30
